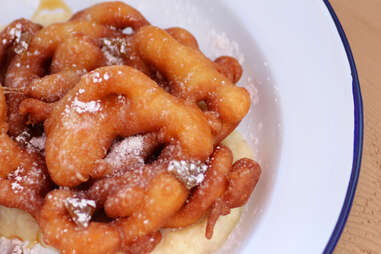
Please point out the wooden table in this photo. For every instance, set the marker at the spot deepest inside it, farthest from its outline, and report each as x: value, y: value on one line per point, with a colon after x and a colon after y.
x: 361, y: 20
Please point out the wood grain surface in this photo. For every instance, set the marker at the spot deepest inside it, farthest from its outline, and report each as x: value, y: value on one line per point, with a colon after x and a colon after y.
x: 361, y: 20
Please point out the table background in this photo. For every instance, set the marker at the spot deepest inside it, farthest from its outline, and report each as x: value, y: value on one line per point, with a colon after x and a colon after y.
x: 361, y: 20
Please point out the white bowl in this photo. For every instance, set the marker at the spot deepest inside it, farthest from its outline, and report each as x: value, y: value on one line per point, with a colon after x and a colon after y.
x: 305, y: 125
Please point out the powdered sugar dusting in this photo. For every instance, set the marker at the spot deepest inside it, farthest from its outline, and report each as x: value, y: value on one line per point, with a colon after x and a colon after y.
x: 254, y: 93
x: 38, y: 142
x: 15, y: 34
x: 220, y: 44
x: 21, y: 177
x: 126, y: 148
x: 16, y: 187
x: 23, y: 137
x: 17, y: 178
x: 21, y: 47
x: 112, y: 50
x: 84, y: 107
x: 96, y: 76
x: 81, y: 210
x: 191, y: 173
x: 111, y: 59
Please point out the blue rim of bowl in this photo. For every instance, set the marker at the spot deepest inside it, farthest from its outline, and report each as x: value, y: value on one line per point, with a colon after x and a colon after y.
x: 358, y: 138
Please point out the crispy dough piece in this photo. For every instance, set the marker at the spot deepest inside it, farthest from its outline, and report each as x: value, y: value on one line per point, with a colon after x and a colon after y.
x: 60, y: 231
x: 229, y: 67
x: 203, y: 197
x: 71, y: 153
x: 136, y: 234
x: 242, y: 179
x: 164, y: 197
x: 116, y: 14
x: 23, y: 174
x: 29, y: 66
x: 183, y: 36
x: 194, y: 78
x: 14, y: 41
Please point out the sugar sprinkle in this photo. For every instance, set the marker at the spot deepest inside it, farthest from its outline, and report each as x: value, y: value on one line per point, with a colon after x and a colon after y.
x: 85, y: 107
x: 81, y: 210
x: 131, y: 146
x: 191, y: 172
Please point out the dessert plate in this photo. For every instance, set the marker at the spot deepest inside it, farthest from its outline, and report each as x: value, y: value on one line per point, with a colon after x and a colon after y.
x: 305, y: 124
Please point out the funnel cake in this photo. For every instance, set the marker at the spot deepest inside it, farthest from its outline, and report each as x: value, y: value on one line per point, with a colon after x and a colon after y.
x: 131, y: 125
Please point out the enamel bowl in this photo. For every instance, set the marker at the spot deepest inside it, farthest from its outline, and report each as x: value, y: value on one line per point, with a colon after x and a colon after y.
x: 305, y: 124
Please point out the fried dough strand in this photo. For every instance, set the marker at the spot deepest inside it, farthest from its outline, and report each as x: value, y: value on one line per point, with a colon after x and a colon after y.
x: 60, y: 231
x: 115, y: 14
x: 194, y: 78
x: 213, y: 186
x: 23, y: 174
x: 229, y: 67
x: 14, y: 41
x: 28, y: 67
x: 134, y: 109
x: 183, y: 36
x: 242, y: 178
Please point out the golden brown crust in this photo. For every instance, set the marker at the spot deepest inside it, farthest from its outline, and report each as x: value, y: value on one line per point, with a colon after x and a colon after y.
x: 213, y: 186
x: 229, y: 67
x: 37, y: 111
x: 23, y: 174
x: 243, y: 177
x: 14, y: 41
x: 140, y: 109
x: 183, y: 36
x: 29, y: 66
x: 115, y: 14
x: 193, y: 77
x: 61, y: 232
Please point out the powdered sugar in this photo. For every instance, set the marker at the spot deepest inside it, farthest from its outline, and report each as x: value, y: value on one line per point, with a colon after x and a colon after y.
x: 96, y: 76
x: 17, y: 179
x: 16, y: 187
x: 15, y: 34
x: 38, y: 142
x: 31, y: 144
x: 191, y: 173
x: 112, y: 50
x: 21, y: 177
x: 111, y: 59
x: 81, y: 210
x: 126, y: 148
x: 21, y: 47
x: 220, y: 44
x: 85, y: 107
x: 23, y: 137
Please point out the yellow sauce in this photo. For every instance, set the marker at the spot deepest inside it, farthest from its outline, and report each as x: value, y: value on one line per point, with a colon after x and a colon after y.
x: 49, y: 11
